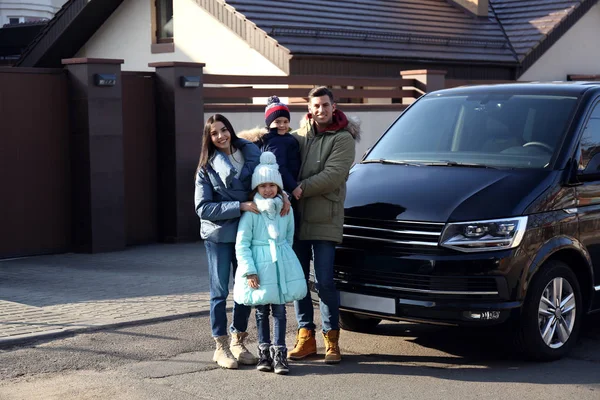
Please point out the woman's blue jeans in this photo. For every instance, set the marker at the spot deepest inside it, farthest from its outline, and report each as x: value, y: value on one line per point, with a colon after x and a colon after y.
x: 221, y: 263
x: 263, y: 326
x: 323, y: 254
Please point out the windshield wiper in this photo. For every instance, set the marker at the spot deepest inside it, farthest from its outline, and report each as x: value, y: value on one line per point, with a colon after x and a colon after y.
x: 394, y: 162
x: 450, y: 163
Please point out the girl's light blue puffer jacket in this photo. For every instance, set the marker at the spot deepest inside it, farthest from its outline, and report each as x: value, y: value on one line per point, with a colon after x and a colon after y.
x: 281, y: 280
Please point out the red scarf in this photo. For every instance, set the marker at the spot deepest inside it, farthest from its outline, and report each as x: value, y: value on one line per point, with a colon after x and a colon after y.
x: 338, y: 122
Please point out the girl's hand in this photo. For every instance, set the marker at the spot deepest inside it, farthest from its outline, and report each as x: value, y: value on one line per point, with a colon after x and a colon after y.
x: 249, y: 206
x: 253, y: 281
x: 285, y: 210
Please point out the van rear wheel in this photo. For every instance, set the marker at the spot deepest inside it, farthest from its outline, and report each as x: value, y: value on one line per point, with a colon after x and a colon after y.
x: 551, y: 315
x: 357, y: 323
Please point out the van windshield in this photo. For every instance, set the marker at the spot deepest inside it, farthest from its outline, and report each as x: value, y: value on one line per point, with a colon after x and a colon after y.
x: 493, y: 130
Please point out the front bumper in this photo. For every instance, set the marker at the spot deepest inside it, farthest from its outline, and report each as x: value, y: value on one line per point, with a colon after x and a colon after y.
x: 399, y: 309
x: 446, y: 287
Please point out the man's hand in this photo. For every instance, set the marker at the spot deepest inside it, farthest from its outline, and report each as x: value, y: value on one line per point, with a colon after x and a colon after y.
x: 285, y: 210
x: 297, y: 193
x: 249, y: 206
x: 253, y: 281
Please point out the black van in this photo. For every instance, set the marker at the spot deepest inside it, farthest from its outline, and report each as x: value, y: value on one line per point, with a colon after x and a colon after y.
x: 480, y: 206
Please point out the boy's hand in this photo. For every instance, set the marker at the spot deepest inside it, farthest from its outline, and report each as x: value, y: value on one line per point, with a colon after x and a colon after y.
x: 253, y: 281
x: 297, y: 193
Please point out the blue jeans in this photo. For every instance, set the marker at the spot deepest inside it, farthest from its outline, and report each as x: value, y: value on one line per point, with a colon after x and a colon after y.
x: 279, y: 324
x: 221, y: 259
x: 323, y: 253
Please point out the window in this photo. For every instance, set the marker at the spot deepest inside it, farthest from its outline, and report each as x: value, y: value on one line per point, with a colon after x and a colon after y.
x: 590, y: 142
x: 164, y: 21
x: 492, y: 129
x: 15, y: 20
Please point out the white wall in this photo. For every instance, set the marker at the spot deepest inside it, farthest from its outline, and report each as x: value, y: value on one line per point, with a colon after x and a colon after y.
x: 576, y: 52
x: 373, y: 123
x: 28, y: 8
x: 198, y: 37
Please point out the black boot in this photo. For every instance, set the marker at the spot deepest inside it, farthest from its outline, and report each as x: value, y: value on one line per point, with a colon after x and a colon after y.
x: 265, y: 362
x: 280, y: 363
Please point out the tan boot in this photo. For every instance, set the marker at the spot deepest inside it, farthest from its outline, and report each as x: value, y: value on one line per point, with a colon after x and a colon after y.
x: 239, y: 350
x: 333, y: 355
x: 306, y: 345
x: 223, y: 356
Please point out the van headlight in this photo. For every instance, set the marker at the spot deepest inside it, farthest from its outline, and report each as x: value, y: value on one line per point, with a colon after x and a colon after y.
x: 496, y: 234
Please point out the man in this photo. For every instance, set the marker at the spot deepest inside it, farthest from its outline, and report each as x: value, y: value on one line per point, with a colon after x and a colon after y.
x: 327, y: 150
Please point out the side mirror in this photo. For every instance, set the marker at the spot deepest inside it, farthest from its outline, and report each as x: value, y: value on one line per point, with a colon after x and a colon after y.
x: 592, y: 170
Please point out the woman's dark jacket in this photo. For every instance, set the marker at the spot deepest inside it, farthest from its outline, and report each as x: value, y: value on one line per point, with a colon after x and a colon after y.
x: 218, y: 193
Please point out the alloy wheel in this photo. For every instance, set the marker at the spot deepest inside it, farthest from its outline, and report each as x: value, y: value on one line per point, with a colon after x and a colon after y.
x: 557, y: 312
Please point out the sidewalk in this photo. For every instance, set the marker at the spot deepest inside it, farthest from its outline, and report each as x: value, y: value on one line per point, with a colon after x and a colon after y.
x: 48, y: 296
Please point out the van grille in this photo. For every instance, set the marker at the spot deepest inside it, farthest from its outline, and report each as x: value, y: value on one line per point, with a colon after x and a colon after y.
x: 415, y: 286
x: 373, y: 252
x: 393, y: 237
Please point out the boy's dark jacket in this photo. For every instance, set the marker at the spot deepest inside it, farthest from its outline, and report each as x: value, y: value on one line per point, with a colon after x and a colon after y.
x: 286, y: 150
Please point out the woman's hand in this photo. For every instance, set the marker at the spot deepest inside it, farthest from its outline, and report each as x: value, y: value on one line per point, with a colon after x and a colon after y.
x: 249, y: 206
x: 253, y: 281
x: 285, y: 210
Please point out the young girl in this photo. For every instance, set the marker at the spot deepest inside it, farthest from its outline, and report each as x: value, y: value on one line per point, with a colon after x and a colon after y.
x: 269, y: 273
x: 223, y: 181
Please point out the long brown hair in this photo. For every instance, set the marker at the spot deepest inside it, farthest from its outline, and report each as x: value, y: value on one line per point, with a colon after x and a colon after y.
x: 208, y: 148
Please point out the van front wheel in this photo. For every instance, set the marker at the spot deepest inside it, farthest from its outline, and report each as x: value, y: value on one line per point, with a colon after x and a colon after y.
x: 551, y: 315
x: 357, y: 323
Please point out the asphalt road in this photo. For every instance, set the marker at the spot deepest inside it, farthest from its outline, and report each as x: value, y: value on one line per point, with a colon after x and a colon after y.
x: 172, y: 360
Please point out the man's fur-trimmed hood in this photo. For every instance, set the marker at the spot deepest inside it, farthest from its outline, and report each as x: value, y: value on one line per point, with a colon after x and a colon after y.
x: 340, y: 121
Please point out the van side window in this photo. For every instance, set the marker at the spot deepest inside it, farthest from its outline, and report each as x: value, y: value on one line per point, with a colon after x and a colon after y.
x: 590, y: 141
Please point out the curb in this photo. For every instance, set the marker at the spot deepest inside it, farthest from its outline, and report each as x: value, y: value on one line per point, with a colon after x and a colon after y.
x: 47, y: 336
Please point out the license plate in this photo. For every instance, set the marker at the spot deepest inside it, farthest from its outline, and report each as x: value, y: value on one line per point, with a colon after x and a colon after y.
x: 368, y: 303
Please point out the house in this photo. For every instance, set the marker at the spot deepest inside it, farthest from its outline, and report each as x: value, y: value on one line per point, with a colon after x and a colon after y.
x: 14, y: 12
x: 470, y: 39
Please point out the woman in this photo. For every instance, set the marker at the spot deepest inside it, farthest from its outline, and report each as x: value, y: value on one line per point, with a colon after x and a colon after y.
x: 223, y: 180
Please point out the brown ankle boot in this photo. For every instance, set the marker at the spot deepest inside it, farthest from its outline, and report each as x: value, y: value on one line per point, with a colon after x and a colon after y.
x: 332, y: 355
x: 306, y: 345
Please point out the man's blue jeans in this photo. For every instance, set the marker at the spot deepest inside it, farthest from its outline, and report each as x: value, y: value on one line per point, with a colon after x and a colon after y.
x: 323, y: 253
x: 221, y: 259
x: 263, y: 326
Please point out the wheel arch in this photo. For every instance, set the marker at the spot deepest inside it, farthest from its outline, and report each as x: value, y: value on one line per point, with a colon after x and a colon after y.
x: 572, y: 253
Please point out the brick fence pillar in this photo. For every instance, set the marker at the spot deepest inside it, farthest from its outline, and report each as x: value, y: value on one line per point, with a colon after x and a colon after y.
x: 97, y: 173
x: 180, y: 122
x: 428, y: 80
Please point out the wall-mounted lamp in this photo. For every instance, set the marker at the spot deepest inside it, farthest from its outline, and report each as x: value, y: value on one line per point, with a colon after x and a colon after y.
x: 190, y: 81
x: 105, y: 79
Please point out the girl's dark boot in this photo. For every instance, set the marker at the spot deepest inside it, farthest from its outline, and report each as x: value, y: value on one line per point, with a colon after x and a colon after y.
x: 265, y: 362
x: 280, y: 363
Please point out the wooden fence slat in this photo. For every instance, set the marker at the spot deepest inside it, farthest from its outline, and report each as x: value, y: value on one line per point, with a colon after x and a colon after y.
x: 308, y: 80
x: 240, y: 92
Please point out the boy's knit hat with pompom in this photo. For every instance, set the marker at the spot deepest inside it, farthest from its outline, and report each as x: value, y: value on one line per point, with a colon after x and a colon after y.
x: 275, y: 109
x: 267, y: 171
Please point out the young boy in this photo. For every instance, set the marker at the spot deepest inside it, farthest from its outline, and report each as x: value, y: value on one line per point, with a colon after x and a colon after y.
x: 277, y: 139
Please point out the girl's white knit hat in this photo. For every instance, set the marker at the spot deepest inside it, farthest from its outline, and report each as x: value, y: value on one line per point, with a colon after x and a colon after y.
x: 267, y: 171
